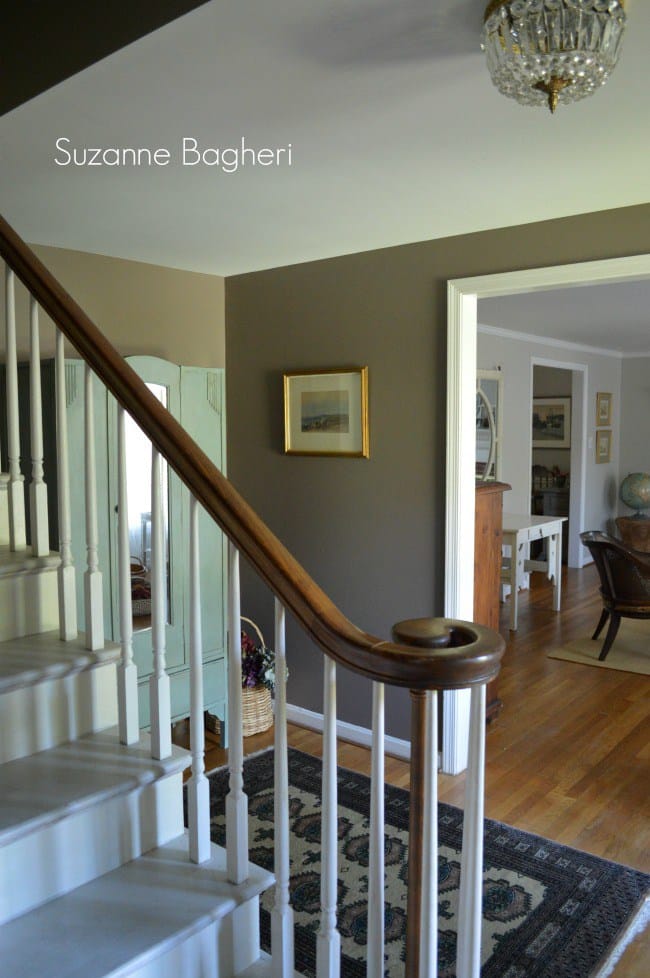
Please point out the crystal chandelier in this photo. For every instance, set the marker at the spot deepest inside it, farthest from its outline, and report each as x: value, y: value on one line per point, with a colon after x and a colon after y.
x: 542, y: 52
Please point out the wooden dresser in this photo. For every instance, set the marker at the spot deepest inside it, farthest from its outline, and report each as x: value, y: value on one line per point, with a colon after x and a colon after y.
x: 487, y: 567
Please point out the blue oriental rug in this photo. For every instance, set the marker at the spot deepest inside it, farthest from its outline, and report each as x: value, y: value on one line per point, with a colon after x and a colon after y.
x: 548, y: 911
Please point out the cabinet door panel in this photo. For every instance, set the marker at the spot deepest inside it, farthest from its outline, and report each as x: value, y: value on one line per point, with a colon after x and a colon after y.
x: 74, y: 384
x: 166, y: 376
x: 202, y: 414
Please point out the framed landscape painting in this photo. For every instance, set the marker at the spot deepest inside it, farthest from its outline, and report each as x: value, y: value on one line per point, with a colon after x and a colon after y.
x: 603, y: 409
x: 551, y: 422
x: 326, y: 412
x: 603, y: 446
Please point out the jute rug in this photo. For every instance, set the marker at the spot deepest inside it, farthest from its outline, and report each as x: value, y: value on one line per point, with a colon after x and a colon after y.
x: 629, y: 653
x: 548, y: 911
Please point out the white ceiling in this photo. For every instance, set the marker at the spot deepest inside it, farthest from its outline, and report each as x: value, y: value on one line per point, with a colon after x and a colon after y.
x: 613, y: 317
x: 397, y: 135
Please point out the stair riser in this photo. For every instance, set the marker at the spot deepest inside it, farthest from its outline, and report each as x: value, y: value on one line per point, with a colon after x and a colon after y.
x: 54, y: 711
x: 58, y: 857
x: 221, y: 949
x: 29, y: 603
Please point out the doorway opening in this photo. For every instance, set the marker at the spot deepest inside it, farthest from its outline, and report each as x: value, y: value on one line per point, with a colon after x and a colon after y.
x: 462, y: 301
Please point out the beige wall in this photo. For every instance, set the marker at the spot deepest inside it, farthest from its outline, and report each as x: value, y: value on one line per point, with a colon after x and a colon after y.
x: 371, y: 532
x: 142, y: 309
x: 634, y: 421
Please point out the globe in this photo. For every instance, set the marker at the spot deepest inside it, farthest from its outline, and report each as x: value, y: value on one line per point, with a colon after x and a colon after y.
x: 635, y: 491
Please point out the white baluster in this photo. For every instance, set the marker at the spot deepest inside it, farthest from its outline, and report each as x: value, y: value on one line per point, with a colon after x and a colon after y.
x: 93, y: 577
x: 40, y: 533
x: 127, y: 672
x: 17, y: 528
x: 4, y: 509
x: 236, y: 799
x: 66, y: 578
x: 471, y: 872
x: 376, y: 881
x: 159, y: 691
x: 198, y: 788
x: 328, y: 941
x: 429, y: 925
x: 282, y: 913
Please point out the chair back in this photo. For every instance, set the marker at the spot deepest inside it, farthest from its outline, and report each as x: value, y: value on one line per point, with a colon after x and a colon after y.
x: 624, y: 573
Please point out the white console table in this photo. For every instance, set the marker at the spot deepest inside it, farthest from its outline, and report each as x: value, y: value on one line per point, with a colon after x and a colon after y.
x: 518, y: 532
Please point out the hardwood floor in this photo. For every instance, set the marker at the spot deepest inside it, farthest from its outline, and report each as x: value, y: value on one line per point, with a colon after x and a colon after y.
x: 569, y: 756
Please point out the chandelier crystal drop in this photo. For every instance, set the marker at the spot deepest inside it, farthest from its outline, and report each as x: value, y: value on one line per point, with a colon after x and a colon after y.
x: 546, y: 52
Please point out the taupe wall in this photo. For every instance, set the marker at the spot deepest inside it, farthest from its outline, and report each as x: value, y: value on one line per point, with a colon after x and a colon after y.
x: 371, y: 531
x: 142, y: 308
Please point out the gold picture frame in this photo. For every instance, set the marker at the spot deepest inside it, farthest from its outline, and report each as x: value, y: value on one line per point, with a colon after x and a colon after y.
x: 603, y: 409
x: 603, y: 446
x: 326, y: 412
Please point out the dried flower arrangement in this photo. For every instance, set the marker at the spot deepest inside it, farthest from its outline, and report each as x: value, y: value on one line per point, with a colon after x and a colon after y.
x: 257, y: 664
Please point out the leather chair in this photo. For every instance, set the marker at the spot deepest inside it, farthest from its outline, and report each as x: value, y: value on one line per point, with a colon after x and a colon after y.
x: 624, y: 582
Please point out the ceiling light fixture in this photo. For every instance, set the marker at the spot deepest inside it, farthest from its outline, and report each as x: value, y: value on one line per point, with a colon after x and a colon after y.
x: 542, y: 52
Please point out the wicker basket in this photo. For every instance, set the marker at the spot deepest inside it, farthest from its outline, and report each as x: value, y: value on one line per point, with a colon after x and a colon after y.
x: 257, y: 711
x: 257, y: 714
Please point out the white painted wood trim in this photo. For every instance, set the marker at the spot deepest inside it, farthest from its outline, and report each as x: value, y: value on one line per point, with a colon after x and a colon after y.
x: 460, y: 506
x: 127, y: 673
x: 556, y: 276
x: 17, y: 525
x: 461, y: 433
x: 198, y: 788
x: 328, y: 939
x: 462, y: 297
x: 236, y: 799
x: 376, y: 873
x: 470, y: 901
x: 40, y: 534
x: 282, y: 944
x: 93, y: 588
x: 159, y: 686
x: 67, y: 573
x: 347, y: 731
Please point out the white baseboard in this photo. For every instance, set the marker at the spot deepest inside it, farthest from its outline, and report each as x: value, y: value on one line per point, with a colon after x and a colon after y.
x: 347, y: 731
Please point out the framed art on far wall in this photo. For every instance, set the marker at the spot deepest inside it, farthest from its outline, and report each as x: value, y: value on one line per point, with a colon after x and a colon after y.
x: 551, y: 422
x: 326, y: 412
x: 603, y: 409
x: 604, y: 445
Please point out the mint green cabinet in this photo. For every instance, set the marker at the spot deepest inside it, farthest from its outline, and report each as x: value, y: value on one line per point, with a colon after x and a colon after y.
x: 194, y: 395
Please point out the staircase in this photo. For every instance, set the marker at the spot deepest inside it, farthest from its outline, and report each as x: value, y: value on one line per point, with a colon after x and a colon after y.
x: 95, y: 874
x: 98, y: 876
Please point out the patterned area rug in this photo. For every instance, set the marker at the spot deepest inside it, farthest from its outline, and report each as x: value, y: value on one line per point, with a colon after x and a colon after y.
x: 548, y: 911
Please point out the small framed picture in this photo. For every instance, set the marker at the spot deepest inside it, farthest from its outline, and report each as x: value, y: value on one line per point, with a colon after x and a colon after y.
x: 603, y: 409
x: 551, y: 422
x: 326, y: 412
x: 604, y: 446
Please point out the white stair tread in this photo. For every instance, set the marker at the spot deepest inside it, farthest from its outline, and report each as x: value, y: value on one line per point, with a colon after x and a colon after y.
x: 23, y: 561
x: 33, y: 658
x: 263, y: 968
x: 126, y: 918
x: 42, y: 788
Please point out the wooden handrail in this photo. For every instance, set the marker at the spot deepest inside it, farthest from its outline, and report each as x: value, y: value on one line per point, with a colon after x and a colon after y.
x: 467, y: 654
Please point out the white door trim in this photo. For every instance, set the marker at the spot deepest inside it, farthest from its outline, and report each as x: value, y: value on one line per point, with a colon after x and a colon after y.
x: 462, y: 298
